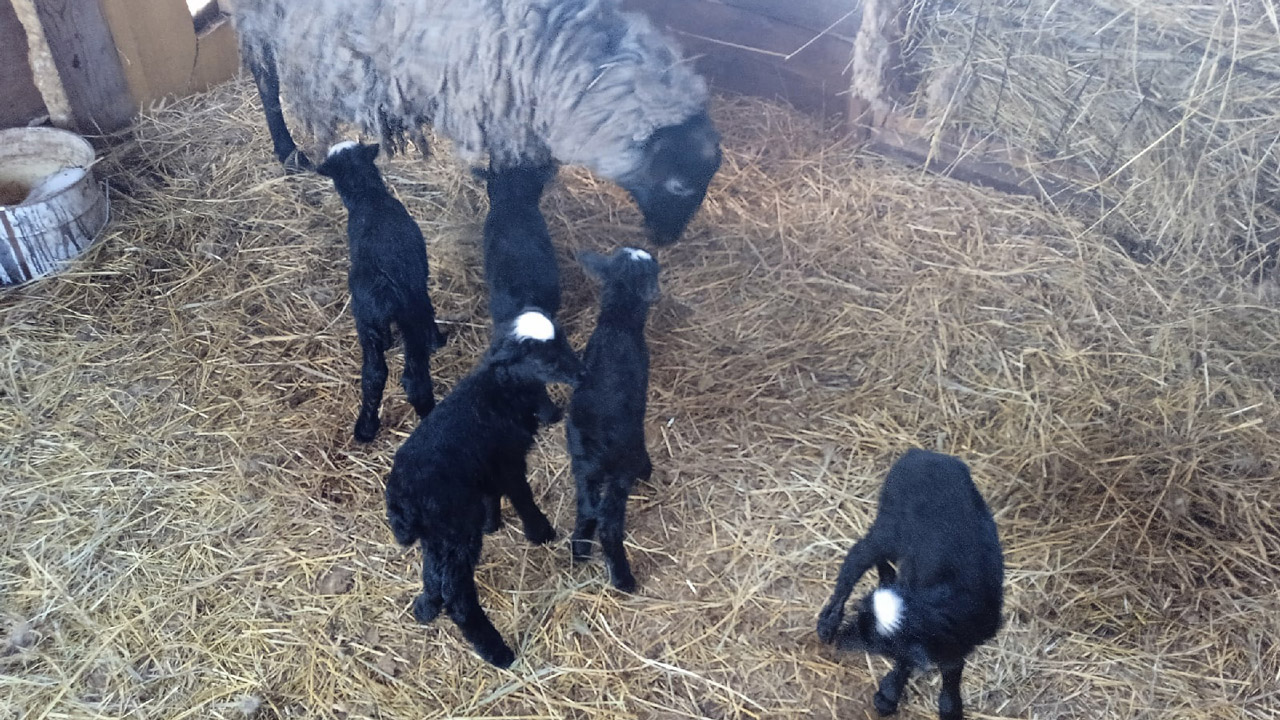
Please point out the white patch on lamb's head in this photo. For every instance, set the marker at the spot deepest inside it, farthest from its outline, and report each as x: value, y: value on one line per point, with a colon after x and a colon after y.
x: 887, y: 606
x: 638, y: 254
x: 339, y: 147
x: 533, y: 325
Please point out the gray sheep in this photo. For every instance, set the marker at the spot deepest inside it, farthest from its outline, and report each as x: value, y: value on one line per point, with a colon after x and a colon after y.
x: 525, y: 82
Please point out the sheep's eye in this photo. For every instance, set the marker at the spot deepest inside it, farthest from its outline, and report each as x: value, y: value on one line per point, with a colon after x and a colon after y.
x: 677, y: 187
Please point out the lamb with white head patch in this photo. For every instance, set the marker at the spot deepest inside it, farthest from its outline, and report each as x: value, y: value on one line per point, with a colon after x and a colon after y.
x: 468, y: 452
x: 525, y: 82
x: 941, y: 572
x: 520, y: 264
x: 387, y: 280
x: 605, y: 431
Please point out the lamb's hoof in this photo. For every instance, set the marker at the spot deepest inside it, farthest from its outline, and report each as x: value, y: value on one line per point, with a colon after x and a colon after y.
x: 500, y: 656
x: 625, y: 581
x: 581, y: 550
x: 366, y: 429
x: 550, y: 415
x: 829, y: 623
x: 424, y: 410
x: 884, y: 705
x: 540, y: 534
x: 424, y: 611
x: 440, y: 339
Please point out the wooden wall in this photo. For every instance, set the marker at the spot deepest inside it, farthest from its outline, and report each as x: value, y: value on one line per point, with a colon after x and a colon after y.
x: 22, y: 100
x: 769, y: 48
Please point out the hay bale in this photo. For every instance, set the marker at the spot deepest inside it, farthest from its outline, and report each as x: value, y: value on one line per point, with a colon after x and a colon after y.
x: 1170, y: 106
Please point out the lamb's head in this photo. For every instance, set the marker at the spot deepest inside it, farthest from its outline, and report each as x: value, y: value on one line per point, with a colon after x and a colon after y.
x: 628, y: 270
x: 351, y: 165
x: 533, y: 348
x: 670, y: 181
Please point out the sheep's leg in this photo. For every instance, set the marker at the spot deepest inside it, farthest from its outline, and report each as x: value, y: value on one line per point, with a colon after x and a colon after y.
x: 373, y: 379
x: 266, y: 77
x: 857, y: 562
x: 889, y: 694
x: 427, y: 605
x: 417, y: 367
x: 950, y: 706
x: 537, y: 528
x: 613, y: 518
x: 463, y: 604
x: 492, y: 513
x: 584, y: 527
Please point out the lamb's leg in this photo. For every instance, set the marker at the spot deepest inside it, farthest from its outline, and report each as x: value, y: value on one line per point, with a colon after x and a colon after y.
x: 885, y: 572
x: 548, y: 412
x: 492, y: 513
x: 856, y: 563
x: 537, y: 528
x: 463, y: 604
x: 427, y: 605
x: 889, y: 693
x: 373, y: 379
x: 950, y: 706
x: 613, y: 518
x: 266, y: 77
x: 417, y: 367
x: 584, y: 527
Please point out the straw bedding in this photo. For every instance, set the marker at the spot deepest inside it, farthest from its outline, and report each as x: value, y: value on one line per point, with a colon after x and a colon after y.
x: 189, y: 531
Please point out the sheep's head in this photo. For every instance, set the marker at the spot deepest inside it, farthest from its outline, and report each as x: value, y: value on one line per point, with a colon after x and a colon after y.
x: 629, y: 270
x: 670, y: 183
x: 533, y: 348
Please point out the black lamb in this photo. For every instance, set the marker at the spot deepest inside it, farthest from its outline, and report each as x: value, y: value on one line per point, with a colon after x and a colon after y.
x: 387, y: 280
x: 937, y: 553
x: 605, y: 430
x: 519, y: 260
x: 468, y: 453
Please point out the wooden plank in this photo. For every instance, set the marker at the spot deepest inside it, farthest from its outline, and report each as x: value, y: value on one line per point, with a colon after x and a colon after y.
x: 747, y: 73
x: 22, y: 100
x: 839, y: 18
x: 87, y: 63
x: 796, y: 50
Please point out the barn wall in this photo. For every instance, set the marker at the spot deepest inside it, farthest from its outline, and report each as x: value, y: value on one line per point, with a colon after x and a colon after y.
x: 22, y: 100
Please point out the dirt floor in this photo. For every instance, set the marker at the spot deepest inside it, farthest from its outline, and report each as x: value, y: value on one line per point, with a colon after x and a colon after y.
x: 189, y: 531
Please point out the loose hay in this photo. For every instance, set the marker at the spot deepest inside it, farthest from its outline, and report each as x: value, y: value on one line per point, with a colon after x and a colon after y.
x: 189, y: 531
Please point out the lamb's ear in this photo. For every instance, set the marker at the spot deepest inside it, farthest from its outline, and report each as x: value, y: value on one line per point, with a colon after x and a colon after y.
x: 369, y: 152
x: 595, y: 263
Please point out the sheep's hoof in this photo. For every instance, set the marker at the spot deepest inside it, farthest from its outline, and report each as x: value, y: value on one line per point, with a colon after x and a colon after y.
x: 500, y: 656
x: 424, y: 611
x: 884, y: 705
x: 366, y: 429
x: 581, y: 550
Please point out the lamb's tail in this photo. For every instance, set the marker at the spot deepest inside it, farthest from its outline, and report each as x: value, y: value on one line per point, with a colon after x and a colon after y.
x: 872, y: 630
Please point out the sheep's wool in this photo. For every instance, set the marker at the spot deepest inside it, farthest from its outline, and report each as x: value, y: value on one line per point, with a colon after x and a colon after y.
x: 887, y: 606
x: 638, y: 254
x: 344, y: 145
x: 534, y: 326
x: 577, y: 81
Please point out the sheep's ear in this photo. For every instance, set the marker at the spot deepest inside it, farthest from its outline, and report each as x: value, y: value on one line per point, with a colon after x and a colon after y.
x: 370, y: 151
x: 595, y: 263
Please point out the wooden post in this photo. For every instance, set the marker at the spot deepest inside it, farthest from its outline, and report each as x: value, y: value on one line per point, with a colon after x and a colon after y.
x: 85, y: 55
x: 876, y: 57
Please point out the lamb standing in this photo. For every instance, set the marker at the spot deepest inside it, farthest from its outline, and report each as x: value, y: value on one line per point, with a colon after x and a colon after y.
x: 605, y: 431
x: 519, y: 260
x: 527, y: 82
x: 470, y: 449
x: 944, y: 598
x: 387, y: 280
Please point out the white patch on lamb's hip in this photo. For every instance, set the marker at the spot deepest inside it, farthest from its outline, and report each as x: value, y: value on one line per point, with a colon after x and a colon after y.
x: 534, y: 326
x: 638, y: 254
x: 339, y: 147
x: 887, y: 606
